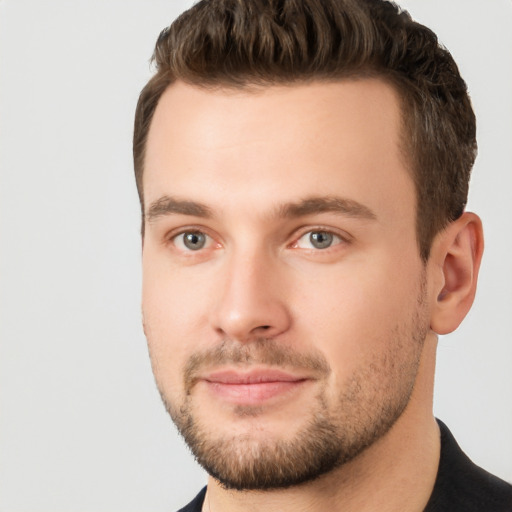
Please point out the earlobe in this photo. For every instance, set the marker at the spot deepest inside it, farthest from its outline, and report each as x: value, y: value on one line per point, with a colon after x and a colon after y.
x: 457, y: 253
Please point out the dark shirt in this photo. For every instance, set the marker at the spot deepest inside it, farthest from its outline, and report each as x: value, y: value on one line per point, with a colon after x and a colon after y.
x: 461, y: 486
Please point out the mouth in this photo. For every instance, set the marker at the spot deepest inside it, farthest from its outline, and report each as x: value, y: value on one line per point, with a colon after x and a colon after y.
x: 252, y: 387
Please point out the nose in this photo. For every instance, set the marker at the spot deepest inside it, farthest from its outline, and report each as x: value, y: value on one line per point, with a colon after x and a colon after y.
x: 251, y: 303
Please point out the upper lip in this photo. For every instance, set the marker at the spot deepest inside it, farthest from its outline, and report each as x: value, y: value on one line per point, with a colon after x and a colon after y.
x: 253, y: 376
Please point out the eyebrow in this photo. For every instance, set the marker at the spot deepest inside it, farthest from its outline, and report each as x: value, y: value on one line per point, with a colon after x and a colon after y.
x: 167, y: 205
x: 170, y: 205
x: 326, y: 204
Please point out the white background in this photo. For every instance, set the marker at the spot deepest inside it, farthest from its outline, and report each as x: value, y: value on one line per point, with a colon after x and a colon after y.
x: 81, y: 423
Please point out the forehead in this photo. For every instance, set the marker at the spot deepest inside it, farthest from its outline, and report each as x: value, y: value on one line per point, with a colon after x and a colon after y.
x: 268, y: 142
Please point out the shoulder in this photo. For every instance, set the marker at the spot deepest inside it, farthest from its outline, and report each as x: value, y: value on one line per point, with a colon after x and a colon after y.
x: 463, y: 486
x: 196, y: 504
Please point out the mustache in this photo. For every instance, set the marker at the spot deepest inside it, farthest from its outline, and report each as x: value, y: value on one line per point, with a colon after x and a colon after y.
x: 262, y: 351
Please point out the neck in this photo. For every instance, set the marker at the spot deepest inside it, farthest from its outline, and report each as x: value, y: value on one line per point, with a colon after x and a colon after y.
x: 397, y: 472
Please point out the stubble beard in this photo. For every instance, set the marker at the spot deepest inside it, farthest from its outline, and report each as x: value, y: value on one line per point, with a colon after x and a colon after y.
x: 372, y: 400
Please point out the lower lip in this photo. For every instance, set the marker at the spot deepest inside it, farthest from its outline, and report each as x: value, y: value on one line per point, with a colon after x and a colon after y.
x: 253, y: 394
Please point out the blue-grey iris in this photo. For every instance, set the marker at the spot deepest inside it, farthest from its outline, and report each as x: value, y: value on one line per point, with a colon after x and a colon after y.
x: 321, y: 239
x: 194, y: 241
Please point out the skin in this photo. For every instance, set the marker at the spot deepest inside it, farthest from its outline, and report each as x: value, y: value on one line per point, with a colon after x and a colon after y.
x: 235, y: 165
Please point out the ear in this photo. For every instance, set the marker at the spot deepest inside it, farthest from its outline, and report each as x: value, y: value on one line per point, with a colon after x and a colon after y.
x: 455, y: 255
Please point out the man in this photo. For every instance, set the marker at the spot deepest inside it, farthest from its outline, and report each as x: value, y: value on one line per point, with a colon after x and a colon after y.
x: 303, y: 169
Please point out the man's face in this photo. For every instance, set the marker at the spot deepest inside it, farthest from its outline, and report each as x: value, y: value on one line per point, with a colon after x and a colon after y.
x: 283, y: 295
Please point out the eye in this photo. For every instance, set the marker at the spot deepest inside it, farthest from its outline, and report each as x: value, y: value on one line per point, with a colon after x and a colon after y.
x: 318, y: 240
x: 192, y: 241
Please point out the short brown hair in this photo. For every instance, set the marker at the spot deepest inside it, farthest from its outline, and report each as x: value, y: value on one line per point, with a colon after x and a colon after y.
x: 239, y: 43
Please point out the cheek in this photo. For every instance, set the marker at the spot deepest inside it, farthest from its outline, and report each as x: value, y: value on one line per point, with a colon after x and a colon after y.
x: 174, y: 320
x: 357, y: 312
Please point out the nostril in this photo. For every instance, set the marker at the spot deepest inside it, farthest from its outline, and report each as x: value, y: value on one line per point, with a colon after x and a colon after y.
x: 262, y: 330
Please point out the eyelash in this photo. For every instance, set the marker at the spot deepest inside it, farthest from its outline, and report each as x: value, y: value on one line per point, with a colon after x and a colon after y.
x: 342, y: 237
x: 333, y: 240
x: 339, y: 239
x: 173, y: 237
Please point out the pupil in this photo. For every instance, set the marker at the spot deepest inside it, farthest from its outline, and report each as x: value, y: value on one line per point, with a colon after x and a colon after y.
x: 320, y: 239
x: 194, y: 241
